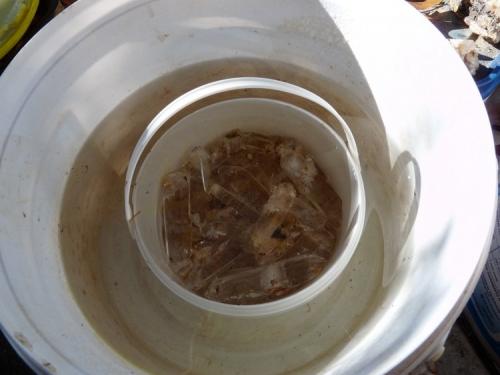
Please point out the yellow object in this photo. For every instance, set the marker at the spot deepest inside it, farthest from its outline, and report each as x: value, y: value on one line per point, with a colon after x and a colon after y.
x: 15, y: 18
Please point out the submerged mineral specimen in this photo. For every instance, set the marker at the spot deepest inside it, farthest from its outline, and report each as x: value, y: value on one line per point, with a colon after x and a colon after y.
x: 248, y: 219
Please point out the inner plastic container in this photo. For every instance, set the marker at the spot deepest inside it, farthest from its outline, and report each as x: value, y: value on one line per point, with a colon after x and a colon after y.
x: 158, y: 153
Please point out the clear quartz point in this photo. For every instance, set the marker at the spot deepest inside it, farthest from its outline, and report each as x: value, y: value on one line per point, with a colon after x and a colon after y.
x: 248, y: 219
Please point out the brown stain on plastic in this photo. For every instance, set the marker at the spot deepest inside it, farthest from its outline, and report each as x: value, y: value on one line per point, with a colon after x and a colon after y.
x: 49, y: 367
x: 23, y: 340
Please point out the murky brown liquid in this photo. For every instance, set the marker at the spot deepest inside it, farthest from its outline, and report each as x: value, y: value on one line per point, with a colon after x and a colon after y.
x: 249, y: 219
x: 141, y: 319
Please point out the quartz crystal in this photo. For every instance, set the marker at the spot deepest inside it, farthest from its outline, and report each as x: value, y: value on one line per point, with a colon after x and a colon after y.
x: 248, y: 219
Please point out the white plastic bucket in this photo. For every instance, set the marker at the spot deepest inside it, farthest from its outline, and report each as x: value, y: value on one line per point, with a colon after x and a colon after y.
x: 158, y: 153
x: 76, y: 295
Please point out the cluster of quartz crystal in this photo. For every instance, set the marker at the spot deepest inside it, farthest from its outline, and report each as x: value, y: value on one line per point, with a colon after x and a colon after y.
x: 248, y: 219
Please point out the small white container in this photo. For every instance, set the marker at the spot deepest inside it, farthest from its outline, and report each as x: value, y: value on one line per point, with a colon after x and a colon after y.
x: 250, y: 104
